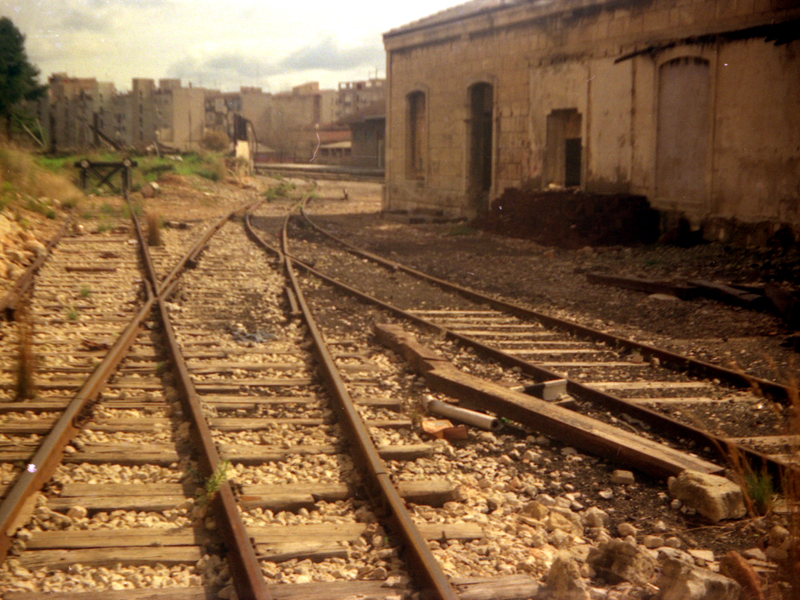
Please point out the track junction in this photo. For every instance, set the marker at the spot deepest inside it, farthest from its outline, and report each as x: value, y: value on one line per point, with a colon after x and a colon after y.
x: 215, y: 417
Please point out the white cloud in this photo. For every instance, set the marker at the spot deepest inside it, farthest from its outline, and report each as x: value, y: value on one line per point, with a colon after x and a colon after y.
x: 226, y: 43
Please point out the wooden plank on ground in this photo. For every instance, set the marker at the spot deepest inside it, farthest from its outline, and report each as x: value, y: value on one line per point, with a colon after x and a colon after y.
x: 233, y: 387
x: 84, y: 490
x: 108, y: 496
x: 110, y: 556
x: 556, y: 351
x: 197, y: 368
x: 235, y: 400
x: 170, y: 593
x: 335, y: 590
x: 125, y: 454
x: 512, y: 587
x: 650, y: 385
x: 430, y: 492
x: 263, y: 453
x: 278, y: 553
x: 390, y: 403
x: 576, y: 429
x: 262, y: 423
x: 591, y: 365
x: 134, y: 503
x: 349, y: 532
x: 227, y: 352
x: 110, y: 538
x: 648, y: 286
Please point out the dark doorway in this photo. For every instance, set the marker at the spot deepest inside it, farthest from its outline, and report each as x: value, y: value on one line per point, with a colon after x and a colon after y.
x: 479, y: 177
x: 563, y: 161
x: 572, y: 162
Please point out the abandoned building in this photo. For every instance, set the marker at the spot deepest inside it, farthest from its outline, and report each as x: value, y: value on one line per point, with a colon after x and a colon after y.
x: 691, y: 103
x: 79, y: 113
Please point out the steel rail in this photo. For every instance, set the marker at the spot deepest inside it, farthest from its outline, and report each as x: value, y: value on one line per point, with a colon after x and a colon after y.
x: 48, y: 456
x: 738, y: 378
x: 243, y: 564
x: 426, y: 566
x: 723, y: 446
x: 10, y: 302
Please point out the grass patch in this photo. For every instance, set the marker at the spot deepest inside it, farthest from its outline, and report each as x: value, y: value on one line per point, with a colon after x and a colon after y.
x: 284, y: 189
x: 23, y: 179
x: 760, y: 491
x: 208, y: 165
x: 71, y: 313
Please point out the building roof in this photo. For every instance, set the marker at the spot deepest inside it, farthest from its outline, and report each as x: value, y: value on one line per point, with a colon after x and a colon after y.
x: 461, y: 11
x: 335, y: 145
x: 371, y: 112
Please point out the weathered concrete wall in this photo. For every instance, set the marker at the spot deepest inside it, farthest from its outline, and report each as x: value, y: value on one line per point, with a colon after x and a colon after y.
x: 757, y: 131
x: 610, y: 70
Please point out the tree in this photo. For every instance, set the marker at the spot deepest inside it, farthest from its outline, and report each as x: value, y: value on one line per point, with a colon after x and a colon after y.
x: 18, y: 78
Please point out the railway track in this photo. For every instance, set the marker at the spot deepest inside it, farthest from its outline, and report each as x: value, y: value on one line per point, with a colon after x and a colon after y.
x: 147, y: 498
x: 242, y: 448
x: 655, y: 392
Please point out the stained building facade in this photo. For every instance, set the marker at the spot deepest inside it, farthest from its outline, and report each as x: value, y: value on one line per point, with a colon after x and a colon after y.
x: 692, y: 103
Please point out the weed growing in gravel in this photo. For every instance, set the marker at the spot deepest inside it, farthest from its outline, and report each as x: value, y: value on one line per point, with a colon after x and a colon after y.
x: 215, y: 481
x: 759, y: 490
x: 85, y: 291
x: 72, y: 313
x: 282, y: 190
x: 781, y: 507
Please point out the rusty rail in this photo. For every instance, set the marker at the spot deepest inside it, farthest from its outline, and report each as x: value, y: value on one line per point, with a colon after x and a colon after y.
x: 663, y: 423
x: 770, y: 388
x: 425, y: 564
x: 47, y: 458
x: 244, y: 566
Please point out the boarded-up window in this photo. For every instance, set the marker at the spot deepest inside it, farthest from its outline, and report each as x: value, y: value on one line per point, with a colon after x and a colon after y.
x: 415, y: 150
x: 683, y: 130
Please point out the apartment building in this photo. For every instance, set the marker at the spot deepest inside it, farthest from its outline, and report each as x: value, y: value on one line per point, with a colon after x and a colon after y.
x: 356, y: 96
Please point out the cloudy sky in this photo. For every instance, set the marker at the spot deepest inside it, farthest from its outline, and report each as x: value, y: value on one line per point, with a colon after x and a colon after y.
x: 220, y: 44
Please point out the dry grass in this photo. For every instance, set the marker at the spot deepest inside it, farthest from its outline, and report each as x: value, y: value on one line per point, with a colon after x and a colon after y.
x: 21, y: 177
x: 781, y: 506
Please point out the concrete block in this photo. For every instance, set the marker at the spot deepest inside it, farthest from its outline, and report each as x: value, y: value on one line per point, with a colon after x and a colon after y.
x: 548, y: 390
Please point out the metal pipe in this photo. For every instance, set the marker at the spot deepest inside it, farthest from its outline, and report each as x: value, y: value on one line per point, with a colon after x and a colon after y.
x: 470, y: 417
